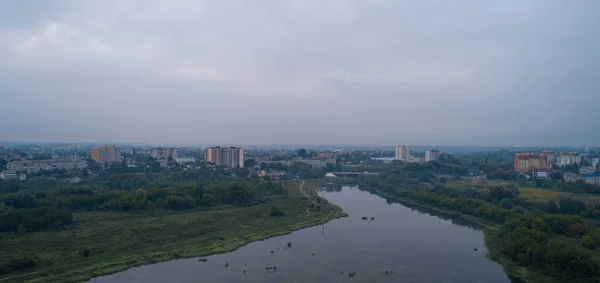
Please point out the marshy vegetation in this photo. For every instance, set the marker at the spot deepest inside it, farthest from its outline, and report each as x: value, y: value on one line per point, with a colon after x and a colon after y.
x: 57, y: 255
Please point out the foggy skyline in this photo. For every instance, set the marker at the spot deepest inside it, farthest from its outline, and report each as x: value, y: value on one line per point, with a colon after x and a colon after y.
x: 300, y: 72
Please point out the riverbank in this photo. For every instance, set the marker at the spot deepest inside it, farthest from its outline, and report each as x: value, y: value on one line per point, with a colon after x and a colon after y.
x: 108, y: 242
x: 492, y: 239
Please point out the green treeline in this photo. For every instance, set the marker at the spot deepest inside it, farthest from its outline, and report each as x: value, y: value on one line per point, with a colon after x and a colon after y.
x: 556, y: 241
x: 42, y: 210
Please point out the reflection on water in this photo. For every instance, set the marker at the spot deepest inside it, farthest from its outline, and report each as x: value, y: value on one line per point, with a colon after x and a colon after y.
x: 401, y: 244
x: 446, y: 216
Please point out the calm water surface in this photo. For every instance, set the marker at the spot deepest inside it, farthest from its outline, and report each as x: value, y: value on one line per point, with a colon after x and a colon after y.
x: 411, y: 245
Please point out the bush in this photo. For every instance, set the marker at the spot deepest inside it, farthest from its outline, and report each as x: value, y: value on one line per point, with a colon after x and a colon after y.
x: 36, y: 219
x: 16, y: 264
x: 178, y: 203
x: 507, y: 203
x: 275, y: 211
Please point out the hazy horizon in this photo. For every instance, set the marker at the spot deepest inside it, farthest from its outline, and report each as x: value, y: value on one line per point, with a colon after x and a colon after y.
x: 451, y: 73
x: 312, y: 146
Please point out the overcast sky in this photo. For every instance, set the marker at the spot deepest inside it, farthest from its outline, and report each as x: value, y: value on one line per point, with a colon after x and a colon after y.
x: 301, y: 72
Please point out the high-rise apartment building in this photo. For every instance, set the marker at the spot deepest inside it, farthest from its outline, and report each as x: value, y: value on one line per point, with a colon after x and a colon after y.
x: 432, y: 155
x: 164, y: 153
x: 528, y: 161
x: 548, y: 156
x: 106, y: 154
x: 402, y: 153
x: 225, y: 156
x: 568, y: 158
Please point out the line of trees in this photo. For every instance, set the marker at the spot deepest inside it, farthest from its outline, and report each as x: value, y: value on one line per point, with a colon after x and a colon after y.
x: 52, y: 209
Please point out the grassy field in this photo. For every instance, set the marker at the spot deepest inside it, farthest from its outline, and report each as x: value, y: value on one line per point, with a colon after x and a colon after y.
x: 545, y: 195
x: 541, y: 195
x: 117, y: 241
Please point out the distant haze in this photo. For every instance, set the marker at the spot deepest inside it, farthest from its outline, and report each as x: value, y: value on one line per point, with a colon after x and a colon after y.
x: 301, y: 72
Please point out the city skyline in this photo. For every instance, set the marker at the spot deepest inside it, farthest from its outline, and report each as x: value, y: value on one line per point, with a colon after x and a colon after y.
x: 300, y: 72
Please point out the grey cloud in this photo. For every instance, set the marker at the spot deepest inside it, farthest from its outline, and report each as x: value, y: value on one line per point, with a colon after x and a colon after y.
x: 289, y: 72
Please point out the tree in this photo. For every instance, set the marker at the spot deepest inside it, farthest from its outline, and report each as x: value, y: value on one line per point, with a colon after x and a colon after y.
x: 507, y: 203
x: 552, y: 207
x: 249, y: 163
x: 592, y: 239
x: 571, y: 206
x: 302, y: 152
x: 180, y: 202
x: 275, y: 211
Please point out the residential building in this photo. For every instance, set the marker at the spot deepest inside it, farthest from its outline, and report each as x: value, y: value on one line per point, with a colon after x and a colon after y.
x: 75, y: 180
x: 547, y: 157
x: 570, y: 177
x: 316, y: 163
x: 261, y: 158
x: 225, y: 156
x: 164, y: 153
x: 262, y: 173
x: 8, y: 175
x: 528, y: 161
x: 106, y: 154
x: 164, y: 163
x: 279, y: 162
x: 593, y: 178
x: 35, y: 166
x: 182, y: 160
x: 595, y: 162
x: 276, y: 173
x: 402, y: 153
x: 570, y: 158
x: 587, y: 169
x: 12, y: 175
x: 432, y: 155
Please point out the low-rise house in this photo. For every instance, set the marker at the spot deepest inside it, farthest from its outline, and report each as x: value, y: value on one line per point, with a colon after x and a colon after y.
x: 12, y: 175
x: 570, y: 177
x: 270, y: 163
x: 261, y: 173
x: 276, y: 173
x: 183, y: 160
x: 75, y: 180
x: 163, y: 163
x: 587, y: 169
x: 8, y: 175
x: 316, y: 163
x: 595, y: 162
x: 593, y: 178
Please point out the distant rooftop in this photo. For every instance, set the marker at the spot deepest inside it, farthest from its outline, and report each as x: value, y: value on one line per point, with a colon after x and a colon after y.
x: 591, y: 175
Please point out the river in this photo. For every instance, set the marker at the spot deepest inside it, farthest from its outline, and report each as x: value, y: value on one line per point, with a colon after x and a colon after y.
x: 412, y: 246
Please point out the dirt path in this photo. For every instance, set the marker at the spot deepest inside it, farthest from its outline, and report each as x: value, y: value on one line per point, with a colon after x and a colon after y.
x: 302, y: 191
x: 306, y: 195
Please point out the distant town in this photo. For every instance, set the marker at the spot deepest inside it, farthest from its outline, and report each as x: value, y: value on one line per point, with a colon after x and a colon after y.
x: 74, y: 163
